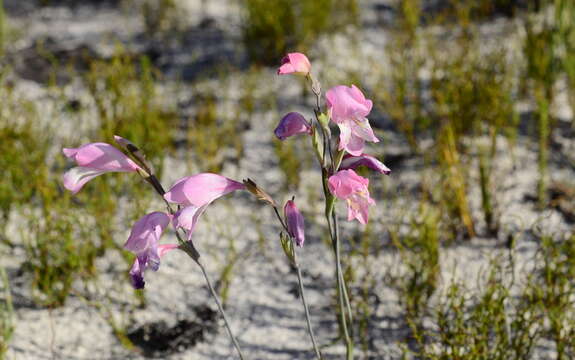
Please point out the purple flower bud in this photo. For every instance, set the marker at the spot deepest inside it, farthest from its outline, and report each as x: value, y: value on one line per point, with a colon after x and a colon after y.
x: 294, y: 220
x: 352, y: 162
x: 292, y: 124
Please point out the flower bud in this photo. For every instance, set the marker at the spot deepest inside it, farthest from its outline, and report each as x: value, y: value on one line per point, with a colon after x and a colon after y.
x: 295, y: 63
x: 291, y: 124
x: 294, y: 221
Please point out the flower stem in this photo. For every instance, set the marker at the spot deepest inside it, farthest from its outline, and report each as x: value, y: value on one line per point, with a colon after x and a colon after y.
x: 220, y: 308
x: 307, y: 316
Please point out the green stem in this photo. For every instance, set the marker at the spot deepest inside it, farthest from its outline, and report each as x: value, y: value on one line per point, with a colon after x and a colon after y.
x: 220, y: 308
x: 307, y: 316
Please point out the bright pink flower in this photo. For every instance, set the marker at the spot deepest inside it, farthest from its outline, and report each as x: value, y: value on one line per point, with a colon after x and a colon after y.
x: 348, y: 108
x: 352, y: 162
x: 291, y: 124
x: 94, y: 159
x: 143, y: 242
x: 295, y: 224
x: 187, y: 218
x: 201, y: 189
x: 295, y: 63
x: 347, y: 185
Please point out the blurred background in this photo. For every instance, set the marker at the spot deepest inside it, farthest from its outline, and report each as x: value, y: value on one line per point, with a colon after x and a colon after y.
x: 469, y: 254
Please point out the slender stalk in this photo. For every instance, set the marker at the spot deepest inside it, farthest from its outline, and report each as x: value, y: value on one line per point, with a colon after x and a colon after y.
x: 344, y: 287
x: 340, y: 283
x: 301, y: 289
x: 307, y: 316
x: 220, y: 308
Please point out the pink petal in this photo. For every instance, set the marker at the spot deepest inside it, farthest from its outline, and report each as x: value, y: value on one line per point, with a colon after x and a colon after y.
x: 188, y: 217
x: 291, y: 124
x: 296, y: 63
x: 201, y: 189
x: 360, y: 127
x: 77, y: 177
x: 295, y: 222
x: 353, y: 162
x: 345, y: 103
x: 146, y: 232
x: 101, y: 156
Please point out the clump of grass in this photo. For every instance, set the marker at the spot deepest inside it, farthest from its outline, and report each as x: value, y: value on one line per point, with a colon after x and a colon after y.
x: 419, y: 250
x: 550, y: 293
x: 160, y: 16
x: 124, y: 93
x: 469, y: 325
x: 6, y: 314
x: 214, y: 135
x: 23, y: 144
x: 271, y: 29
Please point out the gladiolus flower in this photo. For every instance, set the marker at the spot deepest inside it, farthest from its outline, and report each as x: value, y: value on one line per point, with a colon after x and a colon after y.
x: 201, y: 189
x: 94, y: 159
x: 347, y: 185
x: 291, y: 124
x: 295, y: 63
x: 353, y: 162
x: 294, y: 222
x: 187, y: 218
x: 348, y: 108
x: 143, y: 242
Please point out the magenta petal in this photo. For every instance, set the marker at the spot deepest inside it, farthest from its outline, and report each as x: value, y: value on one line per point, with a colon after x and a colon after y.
x: 353, y: 162
x: 346, y: 103
x: 295, y: 222
x: 347, y: 185
x: 102, y: 156
x: 291, y: 124
x: 188, y: 217
x: 295, y: 63
x: 75, y: 178
x: 146, y: 232
x: 201, y: 189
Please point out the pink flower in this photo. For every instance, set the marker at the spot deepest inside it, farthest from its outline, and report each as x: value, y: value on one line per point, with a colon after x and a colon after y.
x: 187, y: 218
x: 94, y: 159
x: 143, y: 241
x: 295, y: 63
x: 295, y: 224
x: 348, y: 108
x: 291, y: 124
x: 347, y: 185
x: 201, y: 189
x: 195, y: 193
x: 353, y: 162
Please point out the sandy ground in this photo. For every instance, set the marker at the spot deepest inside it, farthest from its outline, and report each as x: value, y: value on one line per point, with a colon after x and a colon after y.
x: 263, y: 306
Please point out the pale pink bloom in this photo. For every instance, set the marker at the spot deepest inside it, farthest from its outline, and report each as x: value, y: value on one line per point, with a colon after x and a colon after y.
x: 353, y: 162
x: 347, y: 185
x: 201, y: 189
x: 187, y: 218
x: 295, y: 63
x: 94, y: 159
x: 348, y: 108
x: 294, y: 222
x: 291, y: 124
x: 143, y: 241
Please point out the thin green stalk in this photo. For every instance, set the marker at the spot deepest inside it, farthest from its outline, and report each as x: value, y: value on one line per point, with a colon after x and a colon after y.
x: 543, y: 150
x: 307, y: 316
x: 220, y: 308
x: 301, y: 289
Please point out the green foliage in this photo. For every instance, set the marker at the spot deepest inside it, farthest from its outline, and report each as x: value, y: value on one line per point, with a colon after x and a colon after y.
x: 273, y: 28
x: 419, y: 250
x: 125, y: 95
x: 159, y: 16
x: 6, y: 313
x: 23, y: 144
x: 551, y: 293
x: 485, y: 325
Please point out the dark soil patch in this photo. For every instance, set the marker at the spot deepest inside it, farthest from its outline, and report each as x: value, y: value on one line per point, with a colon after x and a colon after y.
x: 159, y: 339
